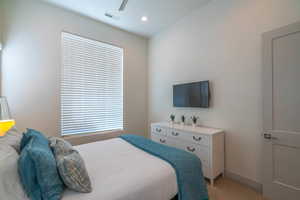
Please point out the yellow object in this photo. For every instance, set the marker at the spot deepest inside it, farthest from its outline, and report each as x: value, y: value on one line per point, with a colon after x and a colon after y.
x: 5, y: 125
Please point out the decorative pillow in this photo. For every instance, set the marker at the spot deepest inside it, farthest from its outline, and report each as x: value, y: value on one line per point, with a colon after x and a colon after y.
x: 12, y: 138
x: 70, y: 166
x: 10, y: 186
x: 37, y: 168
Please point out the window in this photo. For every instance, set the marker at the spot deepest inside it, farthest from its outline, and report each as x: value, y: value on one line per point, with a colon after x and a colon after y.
x: 91, y: 86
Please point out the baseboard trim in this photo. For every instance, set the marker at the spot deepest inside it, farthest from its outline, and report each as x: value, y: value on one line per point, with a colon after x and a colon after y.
x: 245, y: 181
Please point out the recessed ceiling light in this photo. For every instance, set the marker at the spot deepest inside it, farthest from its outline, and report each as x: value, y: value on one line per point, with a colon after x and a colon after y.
x: 144, y: 18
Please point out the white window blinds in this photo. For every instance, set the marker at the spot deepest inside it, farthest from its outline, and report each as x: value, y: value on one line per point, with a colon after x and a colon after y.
x: 91, y: 86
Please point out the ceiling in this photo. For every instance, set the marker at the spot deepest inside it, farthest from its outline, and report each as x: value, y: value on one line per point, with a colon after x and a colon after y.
x: 160, y: 13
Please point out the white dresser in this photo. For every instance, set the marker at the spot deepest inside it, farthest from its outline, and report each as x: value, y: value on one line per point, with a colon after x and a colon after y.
x: 206, y: 143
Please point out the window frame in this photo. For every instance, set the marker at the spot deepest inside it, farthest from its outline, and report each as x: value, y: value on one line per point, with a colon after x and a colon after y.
x: 62, y: 77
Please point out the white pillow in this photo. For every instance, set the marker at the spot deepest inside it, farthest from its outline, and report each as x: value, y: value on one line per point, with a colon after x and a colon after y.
x: 10, y: 185
x: 12, y: 138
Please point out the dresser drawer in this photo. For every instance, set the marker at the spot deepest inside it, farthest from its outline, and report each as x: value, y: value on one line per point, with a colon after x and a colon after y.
x: 175, y: 134
x: 159, y: 138
x: 200, y: 151
x: 163, y: 139
x: 189, y: 137
x: 196, y: 138
x: 159, y: 130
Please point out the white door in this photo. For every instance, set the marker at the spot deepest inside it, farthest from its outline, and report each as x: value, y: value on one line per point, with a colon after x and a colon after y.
x: 281, y: 118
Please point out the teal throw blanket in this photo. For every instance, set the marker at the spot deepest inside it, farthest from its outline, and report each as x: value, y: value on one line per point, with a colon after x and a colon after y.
x: 190, y: 180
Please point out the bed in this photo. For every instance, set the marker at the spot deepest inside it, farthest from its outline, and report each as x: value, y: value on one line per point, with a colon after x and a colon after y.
x: 120, y: 171
x: 130, y: 167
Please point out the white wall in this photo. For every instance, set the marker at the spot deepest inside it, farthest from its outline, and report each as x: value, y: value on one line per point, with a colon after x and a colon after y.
x: 31, y: 64
x: 1, y: 24
x: 220, y: 42
x: 1, y: 32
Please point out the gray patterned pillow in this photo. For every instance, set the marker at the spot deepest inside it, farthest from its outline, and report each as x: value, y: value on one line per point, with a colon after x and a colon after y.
x: 70, y: 166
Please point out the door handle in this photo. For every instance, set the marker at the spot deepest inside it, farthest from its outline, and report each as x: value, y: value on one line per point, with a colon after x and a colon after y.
x: 162, y: 141
x: 269, y: 136
x: 191, y: 149
x: 175, y: 133
x: 197, y: 139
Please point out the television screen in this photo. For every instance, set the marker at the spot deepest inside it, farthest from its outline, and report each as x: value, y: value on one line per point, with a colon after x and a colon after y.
x: 191, y: 94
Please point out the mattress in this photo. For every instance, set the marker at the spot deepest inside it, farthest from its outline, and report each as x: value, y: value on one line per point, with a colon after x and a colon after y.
x: 120, y: 171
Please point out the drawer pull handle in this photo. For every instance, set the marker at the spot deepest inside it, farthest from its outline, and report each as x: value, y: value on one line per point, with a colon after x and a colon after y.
x: 162, y: 141
x: 175, y: 133
x: 158, y: 130
x: 197, y: 139
x: 190, y: 149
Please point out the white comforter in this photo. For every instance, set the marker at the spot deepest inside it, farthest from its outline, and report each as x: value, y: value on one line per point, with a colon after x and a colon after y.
x: 120, y: 171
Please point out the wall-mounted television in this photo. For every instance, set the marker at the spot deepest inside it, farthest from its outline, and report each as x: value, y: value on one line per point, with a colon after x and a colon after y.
x: 194, y: 94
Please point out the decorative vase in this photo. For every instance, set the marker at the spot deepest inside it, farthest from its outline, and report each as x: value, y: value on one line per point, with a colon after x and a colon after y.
x: 172, y: 117
x: 182, y: 120
x: 194, y: 120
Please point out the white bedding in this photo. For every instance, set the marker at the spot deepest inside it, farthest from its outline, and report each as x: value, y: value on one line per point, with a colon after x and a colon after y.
x: 120, y: 171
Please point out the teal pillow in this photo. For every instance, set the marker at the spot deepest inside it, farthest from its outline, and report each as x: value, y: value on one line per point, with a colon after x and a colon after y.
x: 37, y: 168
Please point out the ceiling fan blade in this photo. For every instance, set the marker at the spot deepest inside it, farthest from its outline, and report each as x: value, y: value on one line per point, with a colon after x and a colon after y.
x: 123, y: 5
